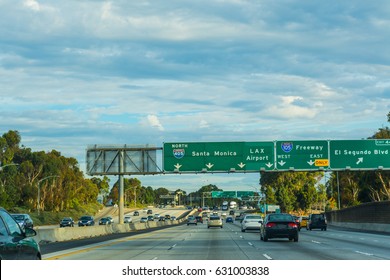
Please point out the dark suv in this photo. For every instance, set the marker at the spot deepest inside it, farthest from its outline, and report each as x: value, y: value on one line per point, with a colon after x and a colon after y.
x: 316, y: 221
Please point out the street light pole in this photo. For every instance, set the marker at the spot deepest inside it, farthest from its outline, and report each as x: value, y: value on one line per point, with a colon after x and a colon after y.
x: 39, y: 190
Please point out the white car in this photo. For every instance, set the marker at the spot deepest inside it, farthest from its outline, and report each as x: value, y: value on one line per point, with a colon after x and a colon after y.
x: 251, y: 221
x: 127, y: 219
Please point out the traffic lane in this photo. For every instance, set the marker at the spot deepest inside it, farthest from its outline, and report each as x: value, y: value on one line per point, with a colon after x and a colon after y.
x: 194, y: 242
x: 202, y: 243
x: 143, y: 246
x: 317, y: 245
x: 376, y: 246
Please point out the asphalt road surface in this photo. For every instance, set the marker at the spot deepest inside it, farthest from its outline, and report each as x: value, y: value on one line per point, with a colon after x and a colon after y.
x: 228, y: 243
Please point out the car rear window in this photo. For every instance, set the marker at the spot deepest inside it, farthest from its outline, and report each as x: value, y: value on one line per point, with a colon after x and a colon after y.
x: 214, y: 218
x: 252, y: 217
x: 286, y: 218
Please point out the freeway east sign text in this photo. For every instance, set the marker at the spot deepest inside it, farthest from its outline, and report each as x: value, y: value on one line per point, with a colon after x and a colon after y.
x: 304, y: 155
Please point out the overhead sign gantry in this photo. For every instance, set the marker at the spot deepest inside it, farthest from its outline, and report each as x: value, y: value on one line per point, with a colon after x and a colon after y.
x: 310, y: 155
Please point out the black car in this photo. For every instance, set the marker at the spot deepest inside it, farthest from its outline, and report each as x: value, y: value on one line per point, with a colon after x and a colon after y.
x: 279, y: 225
x: 136, y: 213
x: 16, y: 242
x: 229, y: 220
x: 86, y: 221
x: 67, y: 222
x: 199, y: 219
x: 105, y: 221
x: 24, y: 220
x: 316, y: 221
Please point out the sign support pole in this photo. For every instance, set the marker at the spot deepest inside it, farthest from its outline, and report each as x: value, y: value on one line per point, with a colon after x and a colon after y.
x: 121, y: 187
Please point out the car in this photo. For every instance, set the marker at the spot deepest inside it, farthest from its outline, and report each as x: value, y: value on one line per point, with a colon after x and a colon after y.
x: 303, y: 221
x: 149, y: 211
x: 161, y: 219
x: 167, y: 217
x: 157, y: 216
x: 316, y: 221
x: 86, y: 221
x: 231, y: 212
x: 111, y: 219
x: 297, y: 221
x: 150, y: 218
x: 229, y: 220
x: 173, y: 218
x: 279, y: 225
x: 199, y: 219
x: 143, y: 220
x: 127, y: 220
x: 17, y: 243
x: 251, y: 222
x: 105, y: 221
x: 192, y: 221
x: 24, y: 220
x: 239, y: 216
x: 205, y: 214
x: 67, y: 222
x: 214, y: 221
x: 136, y: 213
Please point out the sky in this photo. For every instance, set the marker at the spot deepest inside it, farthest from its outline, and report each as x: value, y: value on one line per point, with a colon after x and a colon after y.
x: 79, y: 73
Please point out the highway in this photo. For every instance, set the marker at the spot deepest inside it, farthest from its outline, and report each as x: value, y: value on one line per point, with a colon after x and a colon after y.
x: 229, y: 243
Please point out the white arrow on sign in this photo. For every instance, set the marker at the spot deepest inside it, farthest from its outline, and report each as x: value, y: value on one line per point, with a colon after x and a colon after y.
x: 282, y: 163
x: 310, y: 162
x: 360, y: 160
x: 269, y: 164
x: 209, y: 165
x: 177, y: 166
x: 241, y: 165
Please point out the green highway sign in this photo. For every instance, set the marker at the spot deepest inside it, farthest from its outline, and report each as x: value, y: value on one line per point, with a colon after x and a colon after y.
x: 245, y: 194
x: 302, y: 155
x: 218, y: 156
x: 360, y: 154
x: 308, y: 155
x: 223, y: 194
x: 231, y: 194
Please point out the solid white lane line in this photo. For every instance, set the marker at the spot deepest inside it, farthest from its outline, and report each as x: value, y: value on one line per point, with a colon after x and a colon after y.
x: 317, y: 242
x: 364, y: 253
x: 250, y: 244
x: 267, y: 257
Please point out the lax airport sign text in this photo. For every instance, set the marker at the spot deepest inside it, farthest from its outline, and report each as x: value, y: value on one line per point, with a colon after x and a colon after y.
x: 308, y: 155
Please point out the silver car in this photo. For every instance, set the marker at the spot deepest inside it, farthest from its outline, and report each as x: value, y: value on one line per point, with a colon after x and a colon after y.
x: 127, y: 219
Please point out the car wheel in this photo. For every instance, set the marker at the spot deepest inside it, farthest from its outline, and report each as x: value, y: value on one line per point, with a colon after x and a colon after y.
x: 265, y: 238
x: 242, y: 230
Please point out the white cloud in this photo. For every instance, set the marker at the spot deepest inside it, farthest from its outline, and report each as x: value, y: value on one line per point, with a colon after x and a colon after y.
x: 32, y: 4
x: 75, y: 73
x: 155, y: 122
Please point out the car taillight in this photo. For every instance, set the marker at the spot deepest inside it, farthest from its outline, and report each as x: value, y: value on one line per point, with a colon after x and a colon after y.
x: 270, y: 225
x: 292, y: 225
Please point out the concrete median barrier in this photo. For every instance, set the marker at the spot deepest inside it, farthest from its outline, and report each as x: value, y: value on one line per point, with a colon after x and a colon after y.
x: 72, y: 233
